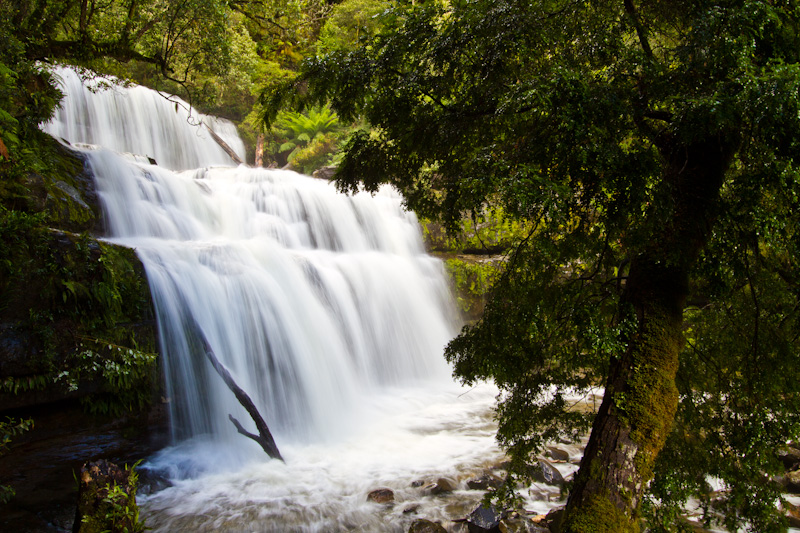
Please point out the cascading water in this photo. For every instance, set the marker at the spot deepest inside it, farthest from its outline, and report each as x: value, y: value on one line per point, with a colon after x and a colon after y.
x: 140, y: 121
x: 311, y: 299
x: 324, y: 308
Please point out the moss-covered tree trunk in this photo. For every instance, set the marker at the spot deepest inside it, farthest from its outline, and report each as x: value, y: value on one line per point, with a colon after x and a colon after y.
x: 641, y: 396
x: 638, y: 408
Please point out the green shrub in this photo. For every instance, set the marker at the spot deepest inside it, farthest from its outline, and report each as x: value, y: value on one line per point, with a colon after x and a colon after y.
x: 8, y: 430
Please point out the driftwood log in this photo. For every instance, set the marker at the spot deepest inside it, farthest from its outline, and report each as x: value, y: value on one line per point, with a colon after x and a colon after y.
x: 264, y: 437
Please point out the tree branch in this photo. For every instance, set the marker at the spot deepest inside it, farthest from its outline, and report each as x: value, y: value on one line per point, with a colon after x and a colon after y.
x: 640, y: 31
x: 241, y: 7
x: 120, y: 51
x: 264, y: 437
x: 221, y: 142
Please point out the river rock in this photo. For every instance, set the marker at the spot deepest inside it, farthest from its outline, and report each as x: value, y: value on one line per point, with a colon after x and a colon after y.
x: 545, y: 495
x: 443, y: 484
x: 324, y: 173
x: 554, y: 519
x: 558, y: 454
x: 447, y: 484
x: 381, y: 496
x: 791, y: 482
x: 488, y: 481
x: 544, y: 472
x: 152, y: 481
x: 425, y: 526
x: 790, y: 457
x: 484, y: 520
x: 792, y: 513
x: 520, y: 525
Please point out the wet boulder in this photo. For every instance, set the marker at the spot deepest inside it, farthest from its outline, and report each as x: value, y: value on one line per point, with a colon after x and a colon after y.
x: 412, y: 508
x: 487, y: 481
x: 558, y: 454
x: 791, y: 482
x: 324, y: 173
x: 790, y: 457
x: 425, y: 526
x: 520, y: 524
x: 152, y: 481
x: 484, y: 520
x: 446, y: 484
x: 385, y: 496
x: 554, y: 519
x: 792, y: 513
x: 442, y: 485
x: 545, y: 494
x: 544, y: 472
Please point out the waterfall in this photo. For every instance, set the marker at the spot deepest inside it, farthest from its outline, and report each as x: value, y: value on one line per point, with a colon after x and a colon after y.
x: 324, y: 307
x: 312, y: 299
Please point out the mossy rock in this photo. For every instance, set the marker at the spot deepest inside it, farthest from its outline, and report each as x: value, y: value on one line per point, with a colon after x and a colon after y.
x: 55, y: 185
x: 71, y: 201
x: 425, y: 526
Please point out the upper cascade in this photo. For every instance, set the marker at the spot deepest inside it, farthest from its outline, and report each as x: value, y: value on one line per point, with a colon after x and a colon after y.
x: 139, y: 120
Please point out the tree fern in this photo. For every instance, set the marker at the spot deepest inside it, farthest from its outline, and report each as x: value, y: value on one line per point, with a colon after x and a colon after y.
x: 296, y: 132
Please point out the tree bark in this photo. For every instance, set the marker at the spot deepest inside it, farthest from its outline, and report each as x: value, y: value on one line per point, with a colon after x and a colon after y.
x: 260, y: 142
x: 638, y: 407
x: 641, y: 396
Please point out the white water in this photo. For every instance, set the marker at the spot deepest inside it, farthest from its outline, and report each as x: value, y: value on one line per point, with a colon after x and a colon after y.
x: 141, y: 121
x: 312, y: 299
x: 324, y: 307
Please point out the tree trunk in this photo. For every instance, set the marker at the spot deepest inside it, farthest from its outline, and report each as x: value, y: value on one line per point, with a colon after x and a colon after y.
x: 638, y: 408
x: 260, y: 142
x: 641, y: 397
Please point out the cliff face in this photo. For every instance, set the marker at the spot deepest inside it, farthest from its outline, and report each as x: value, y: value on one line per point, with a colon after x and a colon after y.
x: 76, y: 317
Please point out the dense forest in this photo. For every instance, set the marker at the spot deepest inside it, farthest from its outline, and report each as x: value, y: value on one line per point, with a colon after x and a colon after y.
x: 637, y: 163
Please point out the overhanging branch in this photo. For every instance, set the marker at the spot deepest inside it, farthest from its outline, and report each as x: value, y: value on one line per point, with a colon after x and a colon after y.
x: 70, y: 50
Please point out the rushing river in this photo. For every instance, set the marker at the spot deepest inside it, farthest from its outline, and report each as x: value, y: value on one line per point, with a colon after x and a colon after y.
x: 324, y: 307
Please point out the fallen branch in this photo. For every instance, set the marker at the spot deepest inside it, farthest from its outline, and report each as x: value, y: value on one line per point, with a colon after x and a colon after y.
x: 228, y: 150
x: 264, y: 437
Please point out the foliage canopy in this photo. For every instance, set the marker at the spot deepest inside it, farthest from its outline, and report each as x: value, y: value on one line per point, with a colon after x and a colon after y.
x: 654, y: 148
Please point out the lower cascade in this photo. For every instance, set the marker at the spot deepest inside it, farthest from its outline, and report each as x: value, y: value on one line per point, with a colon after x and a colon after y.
x: 328, y: 313
x: 313, y: 300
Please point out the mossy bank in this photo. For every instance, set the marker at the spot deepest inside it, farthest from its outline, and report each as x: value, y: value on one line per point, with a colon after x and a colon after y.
x: 76, y: 318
